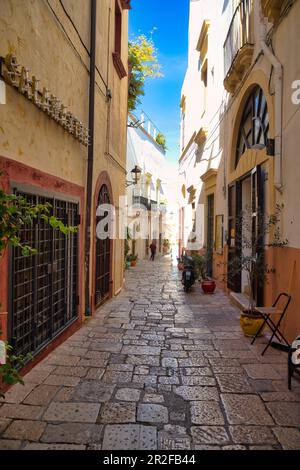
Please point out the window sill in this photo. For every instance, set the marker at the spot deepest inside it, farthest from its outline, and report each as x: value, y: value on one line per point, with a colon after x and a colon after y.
x: 121, y: 71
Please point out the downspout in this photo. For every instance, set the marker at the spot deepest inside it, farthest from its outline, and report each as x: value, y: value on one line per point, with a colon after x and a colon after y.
x: 278, y: 80
x: 89, y: 183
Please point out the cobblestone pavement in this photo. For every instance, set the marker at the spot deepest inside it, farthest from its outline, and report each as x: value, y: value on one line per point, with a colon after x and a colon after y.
x: 156, y: 369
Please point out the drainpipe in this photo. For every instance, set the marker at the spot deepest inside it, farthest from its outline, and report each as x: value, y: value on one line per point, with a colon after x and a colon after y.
x: 278, y: 79
x: 89, y: 183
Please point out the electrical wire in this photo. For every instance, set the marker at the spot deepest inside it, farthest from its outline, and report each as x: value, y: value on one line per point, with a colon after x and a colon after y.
x: 73, y: 46
x: 80, y: 38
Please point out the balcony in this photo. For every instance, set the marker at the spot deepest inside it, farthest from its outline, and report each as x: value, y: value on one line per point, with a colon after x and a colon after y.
x: 239, y: 45
x: 144, y: 201
x: 272, y: 9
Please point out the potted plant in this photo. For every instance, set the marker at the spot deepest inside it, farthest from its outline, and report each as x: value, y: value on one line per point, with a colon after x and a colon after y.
x: 251, y: 259
x: 127, y: 261
x: 133, y: 260
x: 208, y: 285
x: 166, y: 246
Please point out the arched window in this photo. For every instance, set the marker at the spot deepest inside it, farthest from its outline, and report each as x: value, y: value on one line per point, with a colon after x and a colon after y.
x: 254, y: 126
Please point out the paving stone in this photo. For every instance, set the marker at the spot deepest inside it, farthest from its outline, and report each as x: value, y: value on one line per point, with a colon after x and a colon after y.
x: 142, y: 370
x: 64, y: 394
x: 25, y: 430
x: 130, y: 436
x: 21, y: 411
x: 143, y: 360
x: 197, y: 393
x: 119, y: 367
x: 118, y: 413
x: 196, y: 371
x: 234, y: 447
x: 41, y: 395
x: 261, y: 371
x: 169, y: 441
x: 284, y: 414
x: 93, y: 362
x: 95, y: 373
x: 38, y: 374
x: 144, y: 379
x: 193, y: 362
x: 261, y: 385
x: 151, y: 413
x: 281, y: 396
x: 66, y: 380
x: 9, y: 444
x: 206, y: 447
x: 230, y: 345
x: 252, y: 435
x: 93, y: 391
x: 18, y: 393
x: 106, y: 347
x: 169, y: 362
x: 234, y: 383
x: 74, y: 433
x: 289, y: 438
x: 209, y: 435
x: 116, y: 377
x: 169, y: 380
x: 153, y: 398
x: 217, y: 362
x: 206, y: 412
x: 141, y: 350
x: 38, y: 446
x: 128, y: 394
x: 62, y: 360
x: 71, y: 371
x: 72, y: 412
x: 227, y: 370
x: 4, y: 422
x: 202, y: 380
x: 177, y: 416
x: 245, y: 409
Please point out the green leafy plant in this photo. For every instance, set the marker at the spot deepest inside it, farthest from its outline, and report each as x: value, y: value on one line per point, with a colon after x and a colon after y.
x: 161, y: 140
x: 9, y: 374
x: 251, y: 246
x: 15, y: 213
x: 143, y: 63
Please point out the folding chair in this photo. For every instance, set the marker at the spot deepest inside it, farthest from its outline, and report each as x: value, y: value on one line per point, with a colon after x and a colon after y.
x: 266, y: 313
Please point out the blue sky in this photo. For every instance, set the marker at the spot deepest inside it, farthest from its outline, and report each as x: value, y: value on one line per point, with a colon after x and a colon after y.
x: 162, y: 95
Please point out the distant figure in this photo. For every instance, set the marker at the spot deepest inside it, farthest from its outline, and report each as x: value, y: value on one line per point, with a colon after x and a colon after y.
x: 153, y: 250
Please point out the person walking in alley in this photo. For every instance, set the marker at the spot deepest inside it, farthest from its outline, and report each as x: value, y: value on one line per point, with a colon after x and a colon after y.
x: 153, y: 250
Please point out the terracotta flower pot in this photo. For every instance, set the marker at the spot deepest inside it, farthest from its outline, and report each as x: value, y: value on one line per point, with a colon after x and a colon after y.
x: 208, y: 286
x: 133, y: 263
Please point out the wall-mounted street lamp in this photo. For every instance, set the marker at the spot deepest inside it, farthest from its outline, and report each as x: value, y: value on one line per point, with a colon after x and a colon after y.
x: 135, y: 173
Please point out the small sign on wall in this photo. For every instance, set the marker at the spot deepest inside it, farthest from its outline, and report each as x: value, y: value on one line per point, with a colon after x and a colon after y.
x: 2, y: 352
x: 2, y: 92
x: 219, y: 234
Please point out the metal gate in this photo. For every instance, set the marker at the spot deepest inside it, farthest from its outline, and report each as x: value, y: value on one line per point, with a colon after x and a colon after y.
x: 103, y: 254
x: 43, y: 297
x: 210, y: 234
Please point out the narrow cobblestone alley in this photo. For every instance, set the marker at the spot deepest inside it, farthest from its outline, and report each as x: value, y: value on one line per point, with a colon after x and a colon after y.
x: 156, y: 369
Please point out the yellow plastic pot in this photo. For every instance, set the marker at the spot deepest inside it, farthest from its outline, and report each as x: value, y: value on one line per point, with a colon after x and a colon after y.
x: 250, y: 324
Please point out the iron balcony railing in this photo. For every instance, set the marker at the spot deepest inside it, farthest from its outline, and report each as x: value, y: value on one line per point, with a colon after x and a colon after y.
x: 144, y: 201
x: 240, y: 33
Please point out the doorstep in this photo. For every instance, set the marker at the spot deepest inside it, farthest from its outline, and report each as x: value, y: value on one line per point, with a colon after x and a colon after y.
x: 240, y: 300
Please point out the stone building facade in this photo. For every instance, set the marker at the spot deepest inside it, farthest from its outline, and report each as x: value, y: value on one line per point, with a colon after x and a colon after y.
x: 239, y: 137
x: 63, y: 124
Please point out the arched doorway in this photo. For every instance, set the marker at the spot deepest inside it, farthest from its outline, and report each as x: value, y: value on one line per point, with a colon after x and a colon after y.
x: 103, y: 254
x: 246, y: 194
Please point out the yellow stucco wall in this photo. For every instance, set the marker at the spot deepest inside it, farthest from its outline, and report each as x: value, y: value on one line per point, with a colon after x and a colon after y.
x: 44, y: 39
